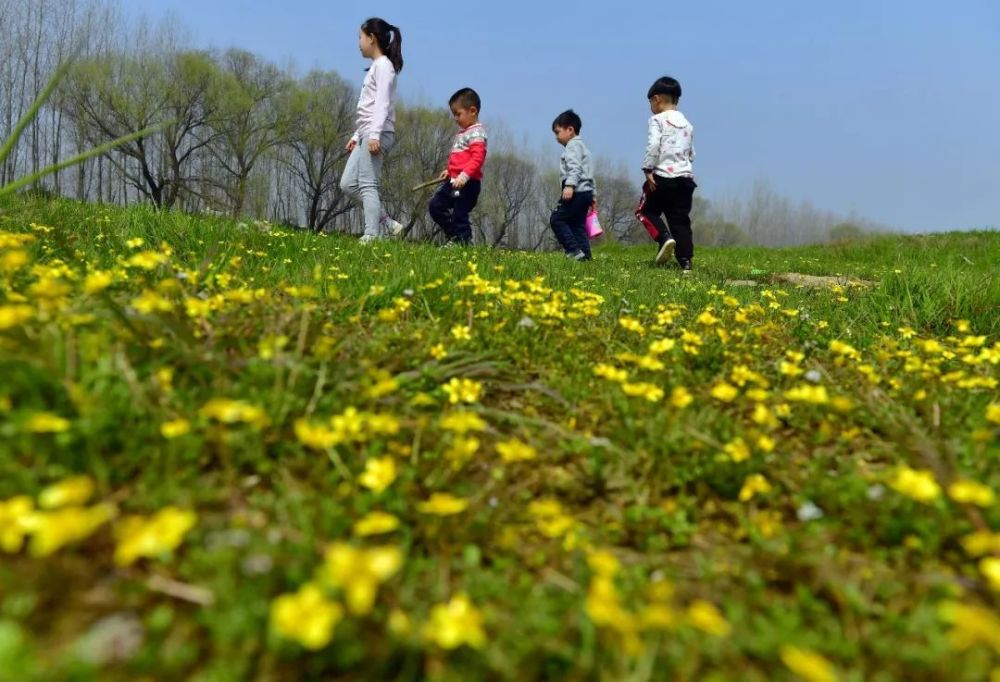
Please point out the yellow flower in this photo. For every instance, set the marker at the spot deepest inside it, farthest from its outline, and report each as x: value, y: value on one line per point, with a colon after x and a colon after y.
x: 315, y: 436
x: 46, y: 422
x: 97, y: 281
x: 680, y: 398
x: 918, y: 484
x: 704, y: 616
x: 50, y: 531
x: 13, y: 512
x: 707, y: 318
x: 789, y: 369
x: 13, y: 260
x: 359, y: 572
x: 175, y: 428
x: 463, y: 390
x: 438, y: 352
x: 765, y: 443
x: 462, y: 422
x: 69, y: 492
x: 724, y: 392
x: 152, y: 536
x: 603, y: 562
x: 992, y: 411
x: 611, y: 373
x: 971, y: 492
x: 755, y: 483
x: 14, y: 315
x: 981, y: 542
x: 443, y: 504
x: 233, y: 412
x: 807, y: 664
x: 461, y: 333
x: 632, y: 325
x: 971, y: 625
x: 515, y: 451
x: 604, y: 607
x: 845, y: 350
x: 814, y: 395
x: 348, y: 425
x: 462, y: 450
x: 375, y: 523
x: 550, y: 518
x: 990, y: 568
x: 379, y: 474
x: 456, y: 623
x: 650, y: 392
x: 146, y: 260
x: 737, y: 449
x: 150, y: 302
x: 306, y: 617
x: 662, y: 346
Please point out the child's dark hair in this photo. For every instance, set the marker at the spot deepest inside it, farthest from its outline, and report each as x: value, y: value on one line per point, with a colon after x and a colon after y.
x: 466, y: 98
x: 666, y: 86
x: 389, y: 40
x: 568, y: 119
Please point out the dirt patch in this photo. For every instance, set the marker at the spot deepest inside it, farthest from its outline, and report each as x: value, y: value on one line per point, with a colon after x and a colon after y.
x: 800, y: 280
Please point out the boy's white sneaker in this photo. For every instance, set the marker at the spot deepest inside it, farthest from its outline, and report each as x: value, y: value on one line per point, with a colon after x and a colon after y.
x: 666, y: 252
x: 368, y: 239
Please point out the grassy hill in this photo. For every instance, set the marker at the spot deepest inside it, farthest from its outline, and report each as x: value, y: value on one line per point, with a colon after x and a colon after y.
x: 235, y: 453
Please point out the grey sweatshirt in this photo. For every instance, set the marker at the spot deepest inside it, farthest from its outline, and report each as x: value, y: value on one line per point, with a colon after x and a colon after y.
x: 575, y: 167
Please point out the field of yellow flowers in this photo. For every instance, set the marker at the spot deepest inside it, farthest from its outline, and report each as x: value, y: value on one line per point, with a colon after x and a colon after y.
x: 230, y: 452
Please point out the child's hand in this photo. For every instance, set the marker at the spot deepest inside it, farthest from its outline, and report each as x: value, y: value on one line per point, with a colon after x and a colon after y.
x: 443, y: 175
x: 374, y: 147
x: 651, y: 180
x: 459, y: 182
x: 568, y: 192
x: 351, y: 144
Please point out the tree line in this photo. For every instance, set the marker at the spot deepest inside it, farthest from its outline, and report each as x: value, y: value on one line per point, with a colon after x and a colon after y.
x: 244, y: 137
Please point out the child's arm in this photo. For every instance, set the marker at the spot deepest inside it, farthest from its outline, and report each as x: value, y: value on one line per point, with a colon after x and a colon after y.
x: 574, y: 169
x: 384, y: 78
x: 652, y: 158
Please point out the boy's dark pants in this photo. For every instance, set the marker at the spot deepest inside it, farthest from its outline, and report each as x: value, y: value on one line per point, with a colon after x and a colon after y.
x: 569, y: 222
x: 671, y: 198
x: 451, y: 213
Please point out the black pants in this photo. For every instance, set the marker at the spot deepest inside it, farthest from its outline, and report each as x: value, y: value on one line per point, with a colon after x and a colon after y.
x: 569, y: 222
x: 671, y: 198
x: 451, y: 212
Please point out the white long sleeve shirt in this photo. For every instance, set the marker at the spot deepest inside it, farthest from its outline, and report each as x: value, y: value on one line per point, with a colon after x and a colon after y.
x: 377, y: 101
x: 670, y: 146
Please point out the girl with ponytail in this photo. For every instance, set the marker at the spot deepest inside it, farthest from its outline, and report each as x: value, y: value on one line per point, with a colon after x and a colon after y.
x: 375, y: 129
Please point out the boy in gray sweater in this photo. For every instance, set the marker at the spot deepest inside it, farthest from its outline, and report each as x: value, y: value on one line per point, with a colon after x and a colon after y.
x: 576, y: 172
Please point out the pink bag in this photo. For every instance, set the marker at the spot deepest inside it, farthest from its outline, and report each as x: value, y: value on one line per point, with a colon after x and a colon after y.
x: 593, y: 224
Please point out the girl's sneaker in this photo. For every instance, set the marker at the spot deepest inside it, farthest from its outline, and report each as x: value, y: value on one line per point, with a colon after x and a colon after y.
x: 392, y: 226
x: 368, y: 238
x: 666, y: 251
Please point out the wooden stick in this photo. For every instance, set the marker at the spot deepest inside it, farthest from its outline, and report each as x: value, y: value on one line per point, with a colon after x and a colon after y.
x: 425, y: 185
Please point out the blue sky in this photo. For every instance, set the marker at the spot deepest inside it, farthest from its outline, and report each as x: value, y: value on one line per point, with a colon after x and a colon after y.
x: 886, y: 109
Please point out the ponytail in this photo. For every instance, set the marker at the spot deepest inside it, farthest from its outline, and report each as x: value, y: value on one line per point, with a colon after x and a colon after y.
x: 389, y: 40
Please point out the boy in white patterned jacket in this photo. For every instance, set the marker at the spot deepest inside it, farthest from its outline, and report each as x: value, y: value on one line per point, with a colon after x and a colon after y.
x: 668, y: 166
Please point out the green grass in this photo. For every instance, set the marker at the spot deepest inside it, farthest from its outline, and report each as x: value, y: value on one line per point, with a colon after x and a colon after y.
x: 302, y: 327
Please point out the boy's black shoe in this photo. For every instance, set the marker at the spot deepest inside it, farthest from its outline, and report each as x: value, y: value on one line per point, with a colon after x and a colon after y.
x: 685, y: 265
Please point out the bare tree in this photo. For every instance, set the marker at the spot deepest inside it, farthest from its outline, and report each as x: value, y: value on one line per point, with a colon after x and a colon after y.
x: 249, y: 119
x: 321, y: 119
x: 505, y: 197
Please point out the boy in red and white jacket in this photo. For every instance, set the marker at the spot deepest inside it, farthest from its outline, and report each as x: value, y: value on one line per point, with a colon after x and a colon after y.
x: 460, y: 183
